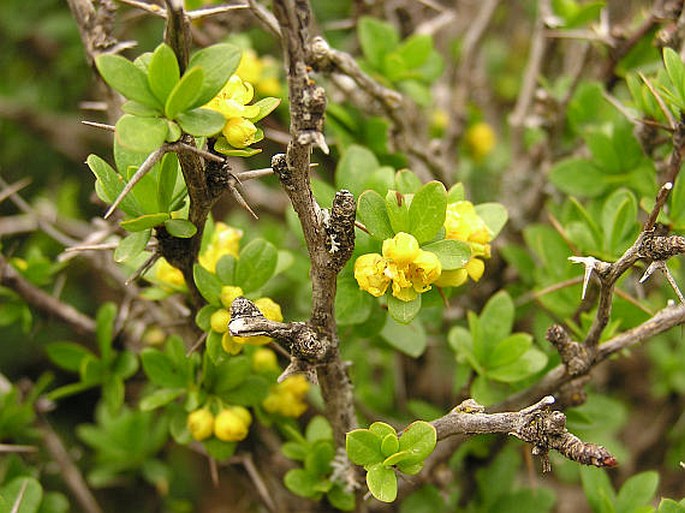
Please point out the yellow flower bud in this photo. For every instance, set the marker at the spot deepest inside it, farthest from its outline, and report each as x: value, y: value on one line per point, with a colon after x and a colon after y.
x: 264, y: 360
x: 219, y: 320
x: 287, y: 398
x: 168, y: 274
x: 225, y: 241
x: 230, y: 345
x: 369, y: 271
x: 228, y: 294
x: 232, y: 424
x: 240, y: 132
x: 296, y: 383
x: 480, y: 139
x: 453, y: 278
x: 201, y: 424
x: 402, y: 249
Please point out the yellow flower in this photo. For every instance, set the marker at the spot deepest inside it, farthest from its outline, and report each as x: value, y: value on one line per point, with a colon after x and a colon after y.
x: 402, y: 249
x: 219, y: 320
x: 233, y: 98
x: 260, y: 71
x: 369, y: 271
x: 169, y: 275
x: 480, y: 139
x: 264, y: 360
x: 287, y: 397
x: 424, y: 270
x: 232, y: 424
x: 453, y: 278
x: 463, y: 223
x: 240, y: 132
x: 228, y: 294
x: 201, y: 424
x: 225, y: 241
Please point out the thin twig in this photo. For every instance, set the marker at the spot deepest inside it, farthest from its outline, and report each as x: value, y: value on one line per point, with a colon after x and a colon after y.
x: 10, y: 190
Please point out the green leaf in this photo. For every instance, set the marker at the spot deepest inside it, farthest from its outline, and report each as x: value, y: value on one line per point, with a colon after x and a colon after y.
x: 406, y: 182
x: 138, y: 109
x: 127, y: 78
x: 201, y: 122
x: 163, y: 72
x: 578, y: 177
x: 144, y: 222
x: 381, y: 429
x: 508, y: 350
x: 131, y: 246
x: 390, y: 444
x: 427, y: 211
x: 397, y: 458
x: 341, y: 499
x: 225, y: 269
x: 319, y: 456
x: 597, y: 487
x: 529, y: 363
x: 494, y: 215
x: 414, y: 50
x: 670, y: 506
x: 169, y: 178
x: 377, y: 39
x: 318, y: 429
x: 23, y: 492
x: 266, y: 106
x: 354, y: 169
x: 67, y: 355
x: 218, y: 63
x: 160, y: 369
x: 302, y: 483
x: 184, y: 95
x: 382, y: 483
x: 352, y: 305
x: 113, y: 393
x: 221, y: 145
x: 208, y: 284
x: 125, y: 364
x: 256, y: 265
x: 143, y: 135
x: 496, y: 321
x: 373, y: 214
x: 363, y: 447
x: 676, y: 73
x: 181, y: 228
x: 403, y: 311
x: 419, y: 440
x: 408, y: 338
x: 637, y: 491
x: 218, y: 449
x: 453, y: 254
x: 619, y: 220
x: 104, y: 329
x: 398, y: 211
x: 109, y: 185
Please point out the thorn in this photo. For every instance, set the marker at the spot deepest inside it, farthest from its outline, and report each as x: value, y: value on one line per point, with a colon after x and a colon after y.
x: 590, y: 264
x: 102, y: 126
x: 241, y: 201
x: 143, y: 268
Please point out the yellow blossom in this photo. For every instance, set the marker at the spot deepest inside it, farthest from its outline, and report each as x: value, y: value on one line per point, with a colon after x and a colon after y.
x: 402, y: 249
x: 233, y: 98
x: 232, y: 424
x: 219, y: 320
x: 287, y: 397
x: 168, y: 274
x: 228, y: 294
x: 264, y: 360
x: 453, y: 278
x: 260, y: 71
x: 424, y: 270
x: 480, y: 139
x: 463, y: 223
x: 240, y: 132
x: 201, y: 424
x: 225, y: 241
x: 369, y: 271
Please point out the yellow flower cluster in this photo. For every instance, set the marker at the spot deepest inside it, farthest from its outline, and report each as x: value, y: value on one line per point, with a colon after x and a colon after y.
x: 410, y: 269
x: 232, y: 424
x: 220, y: 319
x: 287, y: 397
x: 232, y: 101
x: 463, y: 223
x: 262, y: 72
x: 225, y: 241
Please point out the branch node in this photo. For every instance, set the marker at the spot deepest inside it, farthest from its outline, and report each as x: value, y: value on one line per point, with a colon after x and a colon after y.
x: 575, y: 356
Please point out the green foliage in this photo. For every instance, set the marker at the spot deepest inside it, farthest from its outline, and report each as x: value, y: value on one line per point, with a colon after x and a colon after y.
x: 381, y: 452
x: 635, y: 496
x: 108, y: 370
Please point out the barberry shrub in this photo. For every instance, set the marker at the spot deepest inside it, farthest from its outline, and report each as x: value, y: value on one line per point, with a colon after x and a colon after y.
x: 325, y: 251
